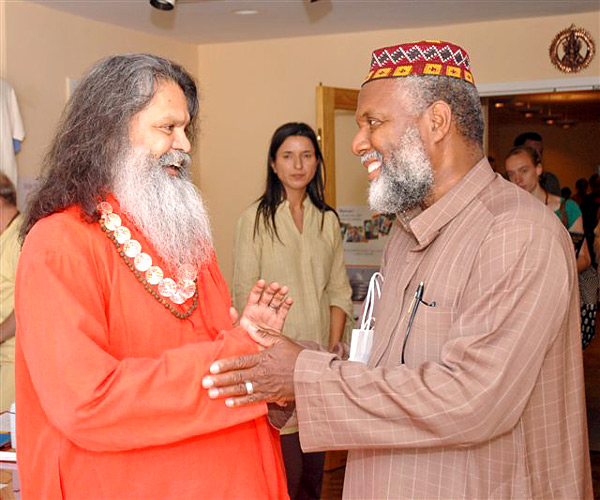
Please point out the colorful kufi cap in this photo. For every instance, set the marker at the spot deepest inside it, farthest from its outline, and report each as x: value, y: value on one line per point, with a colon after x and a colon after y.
x: 427, y: 57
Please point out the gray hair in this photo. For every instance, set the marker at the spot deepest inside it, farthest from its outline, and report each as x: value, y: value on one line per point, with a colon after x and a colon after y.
x: 462, y: 97
x: 94, y: 128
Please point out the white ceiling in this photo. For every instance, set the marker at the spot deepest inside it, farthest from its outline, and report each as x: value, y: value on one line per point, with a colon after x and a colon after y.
x: 212, y: 21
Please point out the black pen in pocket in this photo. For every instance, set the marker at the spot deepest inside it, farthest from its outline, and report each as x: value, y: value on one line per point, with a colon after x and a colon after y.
x: 414, y: 305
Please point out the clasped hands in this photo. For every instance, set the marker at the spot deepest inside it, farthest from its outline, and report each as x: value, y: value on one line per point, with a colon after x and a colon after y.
x: 269, y: 374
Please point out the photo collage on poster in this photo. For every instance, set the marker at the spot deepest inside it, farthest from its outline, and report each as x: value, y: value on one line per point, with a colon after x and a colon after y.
x: 370, y: 229
x: 364, y: 236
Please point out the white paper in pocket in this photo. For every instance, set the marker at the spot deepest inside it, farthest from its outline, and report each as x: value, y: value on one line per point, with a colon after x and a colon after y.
x: 360, y: 345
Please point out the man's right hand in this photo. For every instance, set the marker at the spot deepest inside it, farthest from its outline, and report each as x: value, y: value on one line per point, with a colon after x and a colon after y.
x: 265, y: 376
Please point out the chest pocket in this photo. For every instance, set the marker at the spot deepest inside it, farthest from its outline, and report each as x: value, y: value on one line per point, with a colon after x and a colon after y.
x: 445, y: 270
x: 429, y: 332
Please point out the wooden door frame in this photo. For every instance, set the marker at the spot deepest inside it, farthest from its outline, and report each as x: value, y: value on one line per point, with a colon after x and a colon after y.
x: 328, y: 100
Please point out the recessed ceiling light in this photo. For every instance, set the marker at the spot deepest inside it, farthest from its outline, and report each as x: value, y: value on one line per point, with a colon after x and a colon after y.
x: 245, y: 12
x: 163, y: 4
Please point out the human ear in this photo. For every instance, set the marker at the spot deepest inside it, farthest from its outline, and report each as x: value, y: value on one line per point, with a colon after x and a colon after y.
x: 439, y: 120
x: 539, y: 169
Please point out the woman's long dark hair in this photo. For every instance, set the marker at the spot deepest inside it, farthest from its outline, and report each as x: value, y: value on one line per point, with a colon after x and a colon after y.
x: 275, y: 191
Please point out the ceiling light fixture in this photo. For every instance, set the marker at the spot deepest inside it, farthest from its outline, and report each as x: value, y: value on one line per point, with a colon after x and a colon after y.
x: 245, y: 12
x: 549, y: 118
x: 529, y: 110
x: 163, y: 4
x: 566, y: 122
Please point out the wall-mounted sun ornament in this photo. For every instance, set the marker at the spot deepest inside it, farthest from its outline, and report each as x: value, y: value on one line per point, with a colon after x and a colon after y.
x: 572, y: 50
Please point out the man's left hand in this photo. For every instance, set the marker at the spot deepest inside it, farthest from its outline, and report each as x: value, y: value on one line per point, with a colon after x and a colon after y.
x: 266, y: 308
x: 266, y: 376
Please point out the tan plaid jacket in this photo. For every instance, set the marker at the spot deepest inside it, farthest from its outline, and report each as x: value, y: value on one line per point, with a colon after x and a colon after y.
x: 490, y: 402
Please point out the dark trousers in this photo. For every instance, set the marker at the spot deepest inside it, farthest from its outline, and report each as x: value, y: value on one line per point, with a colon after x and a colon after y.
x: 304, y: 470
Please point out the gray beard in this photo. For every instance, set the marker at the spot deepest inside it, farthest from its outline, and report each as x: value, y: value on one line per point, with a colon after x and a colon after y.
x: 405, y: 180
x: 169, y: 211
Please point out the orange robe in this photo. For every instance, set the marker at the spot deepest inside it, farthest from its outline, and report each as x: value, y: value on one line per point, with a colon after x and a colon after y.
x: 109, y: 382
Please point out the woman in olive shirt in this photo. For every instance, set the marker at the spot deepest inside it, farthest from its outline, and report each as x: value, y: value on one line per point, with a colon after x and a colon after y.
x: 292, y: 236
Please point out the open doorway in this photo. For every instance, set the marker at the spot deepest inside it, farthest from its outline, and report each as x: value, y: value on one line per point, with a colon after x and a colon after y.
x: 569, y: 123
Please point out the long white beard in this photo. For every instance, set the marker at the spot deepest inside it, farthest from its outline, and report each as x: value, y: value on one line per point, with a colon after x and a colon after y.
x: 406, y: 179
x: 168, y: 210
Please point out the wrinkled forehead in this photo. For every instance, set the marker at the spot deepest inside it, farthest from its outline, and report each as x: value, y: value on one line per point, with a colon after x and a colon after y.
x: 156, y: 88
x: 386, y: 95
x: 168, y: 99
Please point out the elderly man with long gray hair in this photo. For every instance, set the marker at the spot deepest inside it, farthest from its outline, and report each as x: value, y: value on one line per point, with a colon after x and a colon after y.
x: 121, y: 308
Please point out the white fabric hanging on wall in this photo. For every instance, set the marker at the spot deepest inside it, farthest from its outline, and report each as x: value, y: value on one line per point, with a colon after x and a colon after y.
x: 11, y: 127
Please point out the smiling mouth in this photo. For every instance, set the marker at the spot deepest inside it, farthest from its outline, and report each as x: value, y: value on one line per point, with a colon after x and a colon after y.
x: 373, y: 166
x: 173, y: 170
x: 373, y: 169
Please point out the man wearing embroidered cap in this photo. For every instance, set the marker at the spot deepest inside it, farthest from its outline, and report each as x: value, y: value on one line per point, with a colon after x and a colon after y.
x: 121, y: 309
x: 474, y: 383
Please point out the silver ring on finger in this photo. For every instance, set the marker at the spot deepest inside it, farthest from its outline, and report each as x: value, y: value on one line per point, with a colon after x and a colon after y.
x: 249, y: 387
x: 273, y: 307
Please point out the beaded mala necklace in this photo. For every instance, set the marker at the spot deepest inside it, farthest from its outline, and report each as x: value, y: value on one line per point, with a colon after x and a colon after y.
x: 140, y: 262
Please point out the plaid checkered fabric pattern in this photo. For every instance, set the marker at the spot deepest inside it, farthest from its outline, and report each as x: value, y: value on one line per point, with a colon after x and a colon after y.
x: 490, y: 402
x: 427, y: 57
